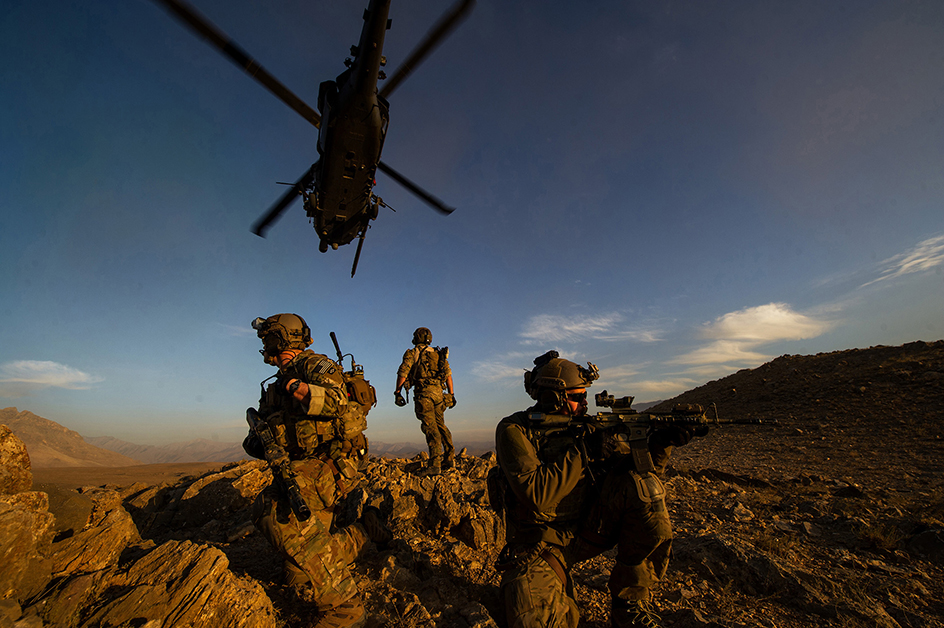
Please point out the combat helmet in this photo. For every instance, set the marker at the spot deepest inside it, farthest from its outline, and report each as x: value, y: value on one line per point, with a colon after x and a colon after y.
x: 552, y: 375
x: 282, y: 332
x: 422, y: 336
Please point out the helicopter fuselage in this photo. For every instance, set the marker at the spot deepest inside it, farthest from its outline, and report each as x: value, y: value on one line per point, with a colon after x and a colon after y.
x: 354, y: 122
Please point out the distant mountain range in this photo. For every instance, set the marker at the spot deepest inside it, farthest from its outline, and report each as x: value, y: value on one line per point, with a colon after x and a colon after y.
x: 49, y: 444
x: 199, y: 450
x: 52, y: 445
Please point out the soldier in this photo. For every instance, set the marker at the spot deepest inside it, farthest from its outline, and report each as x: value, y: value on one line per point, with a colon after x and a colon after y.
x: 426, y: 369
x: 307, y: 408
x: 546, y: 490
x: 560, y: 511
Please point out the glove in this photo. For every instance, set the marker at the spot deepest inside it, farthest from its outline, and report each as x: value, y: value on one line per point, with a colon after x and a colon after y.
x: 398, y: 399
x: 450, y: 400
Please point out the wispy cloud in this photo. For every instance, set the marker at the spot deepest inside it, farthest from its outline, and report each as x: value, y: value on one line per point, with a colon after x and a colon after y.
x: 507, y: 368
x: 22, y: 376
x: 550, y: 328
x: 735, y: 336
x: 765, y: 323
x: 925, y: 256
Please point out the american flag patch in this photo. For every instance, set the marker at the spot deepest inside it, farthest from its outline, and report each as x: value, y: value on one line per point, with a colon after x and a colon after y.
x: 324, y: 365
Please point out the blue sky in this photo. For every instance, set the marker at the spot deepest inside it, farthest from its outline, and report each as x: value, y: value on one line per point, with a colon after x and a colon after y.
x: 674, y: 191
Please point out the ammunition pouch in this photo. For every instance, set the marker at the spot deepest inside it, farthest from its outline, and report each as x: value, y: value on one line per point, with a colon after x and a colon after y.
x: 310, y: 434
x: 351, y: 423
x: 361, y: 391
x: 648, y: 487
x: 346, y: 474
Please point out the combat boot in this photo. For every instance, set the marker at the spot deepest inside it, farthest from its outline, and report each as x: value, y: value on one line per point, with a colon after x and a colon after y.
x: 448, y: 462
x: 634, y: 614
x: 349, y: 614
x: 377, y: 530
x: 433, y: 469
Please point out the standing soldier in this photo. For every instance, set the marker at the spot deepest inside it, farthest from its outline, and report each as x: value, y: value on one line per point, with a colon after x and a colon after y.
x: 308, y: 413
x: 426, y: 369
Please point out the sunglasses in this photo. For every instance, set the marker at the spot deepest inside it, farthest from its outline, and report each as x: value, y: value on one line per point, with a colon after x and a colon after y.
x: 577, y: 397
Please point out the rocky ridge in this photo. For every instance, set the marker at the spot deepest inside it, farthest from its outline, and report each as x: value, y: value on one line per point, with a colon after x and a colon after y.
x: 799, y: 524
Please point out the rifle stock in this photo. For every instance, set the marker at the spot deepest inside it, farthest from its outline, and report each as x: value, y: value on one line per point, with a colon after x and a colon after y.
x: 280, y: 464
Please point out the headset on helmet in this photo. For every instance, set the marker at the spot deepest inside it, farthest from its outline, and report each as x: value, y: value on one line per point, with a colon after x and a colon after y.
x: 422, y: 336
x: 552, y: 376
x: 282, y: 332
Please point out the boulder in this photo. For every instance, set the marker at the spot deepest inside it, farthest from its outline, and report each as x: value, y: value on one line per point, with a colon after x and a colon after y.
x: 15, y: 474
x: 26, y: 534
x: 179, y: 583
x: 96, y: 548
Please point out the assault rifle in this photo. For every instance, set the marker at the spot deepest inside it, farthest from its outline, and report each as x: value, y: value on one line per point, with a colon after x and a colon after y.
x: 626, y: 431
x: 278, y: 461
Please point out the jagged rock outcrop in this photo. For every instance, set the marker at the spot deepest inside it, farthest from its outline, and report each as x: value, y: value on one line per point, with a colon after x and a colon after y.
x: 26, y: 526
x: 15, y: 474
x: 77, y: 559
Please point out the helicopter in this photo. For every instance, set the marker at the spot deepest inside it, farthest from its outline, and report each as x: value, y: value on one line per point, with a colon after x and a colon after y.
x: 352, y: 120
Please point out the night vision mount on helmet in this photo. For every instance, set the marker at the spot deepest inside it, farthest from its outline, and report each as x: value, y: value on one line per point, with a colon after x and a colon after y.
x: 282, y: 332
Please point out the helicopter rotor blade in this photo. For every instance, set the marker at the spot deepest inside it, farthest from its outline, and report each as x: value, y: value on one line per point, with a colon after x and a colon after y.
x: 446, y: 24
x: 427, y: 198
x: 219, y: 40
x: 282, y: 204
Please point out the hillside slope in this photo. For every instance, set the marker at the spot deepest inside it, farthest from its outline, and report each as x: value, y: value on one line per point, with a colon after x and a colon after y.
x: 876, y: 414
x: 52, y: 445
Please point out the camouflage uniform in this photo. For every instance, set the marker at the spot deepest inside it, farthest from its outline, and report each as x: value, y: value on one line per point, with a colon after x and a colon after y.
x: 539, y: 458
x: 316, y: 554
x: 428, y: 400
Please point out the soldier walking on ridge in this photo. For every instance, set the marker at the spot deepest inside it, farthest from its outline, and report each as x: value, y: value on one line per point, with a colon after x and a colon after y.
x: 426, y: 370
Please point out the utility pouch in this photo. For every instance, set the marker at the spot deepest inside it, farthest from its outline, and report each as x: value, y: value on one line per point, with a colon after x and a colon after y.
x: 361, y: 391
x: 648, y: 487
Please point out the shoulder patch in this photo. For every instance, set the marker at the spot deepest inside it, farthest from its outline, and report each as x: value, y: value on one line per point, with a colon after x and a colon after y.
x: 325, y: 366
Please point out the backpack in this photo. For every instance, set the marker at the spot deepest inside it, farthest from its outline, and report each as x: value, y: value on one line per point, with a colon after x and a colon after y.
x: 361, y: 398
x: 426, y: 364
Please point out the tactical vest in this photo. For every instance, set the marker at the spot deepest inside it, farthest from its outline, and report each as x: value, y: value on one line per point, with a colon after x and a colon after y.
x: 304, y: 435
x: 551, y: 438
